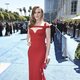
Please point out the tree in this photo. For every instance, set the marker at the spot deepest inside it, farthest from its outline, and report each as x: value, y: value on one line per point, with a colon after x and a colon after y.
x: 6, y: 16
x: 21, y: 18
x: 29, y: 10
x: 6, y: 10
x: 16, y: 15
x: 24, y: 9
x: 12, y: 17
x: 1, y: 9
x: 20, y: 10
x: 30, y: 7
x: 1, y: 16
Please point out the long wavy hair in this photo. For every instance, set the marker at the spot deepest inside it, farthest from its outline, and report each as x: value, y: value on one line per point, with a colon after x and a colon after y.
x: 32, y: 19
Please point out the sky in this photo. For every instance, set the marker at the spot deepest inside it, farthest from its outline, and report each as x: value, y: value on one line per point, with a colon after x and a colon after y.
x: 15, y: 4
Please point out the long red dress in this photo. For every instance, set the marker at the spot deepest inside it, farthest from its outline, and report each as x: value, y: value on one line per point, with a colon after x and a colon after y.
x: 36, y: 52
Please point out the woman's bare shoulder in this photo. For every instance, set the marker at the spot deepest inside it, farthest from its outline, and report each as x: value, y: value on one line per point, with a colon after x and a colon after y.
x: 48, y: 24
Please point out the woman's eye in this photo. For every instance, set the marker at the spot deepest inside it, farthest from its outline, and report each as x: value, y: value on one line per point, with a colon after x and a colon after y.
x: 38, y: 12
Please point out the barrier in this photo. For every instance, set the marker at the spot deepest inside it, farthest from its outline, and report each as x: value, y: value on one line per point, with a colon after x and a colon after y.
x: 71, y: 47
x: 62, y: 42
x: 67, y: 45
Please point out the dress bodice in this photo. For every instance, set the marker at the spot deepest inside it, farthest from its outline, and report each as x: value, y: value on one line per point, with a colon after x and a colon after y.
x: 38, y: 34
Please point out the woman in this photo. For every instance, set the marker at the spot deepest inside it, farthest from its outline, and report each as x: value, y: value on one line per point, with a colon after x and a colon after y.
x: 39, y: 44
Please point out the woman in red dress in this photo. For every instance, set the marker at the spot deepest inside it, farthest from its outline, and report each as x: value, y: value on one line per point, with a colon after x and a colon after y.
x: 39, y: 44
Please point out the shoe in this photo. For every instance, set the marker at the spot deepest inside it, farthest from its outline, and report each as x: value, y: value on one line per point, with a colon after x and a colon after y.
x: 71, y: 37
x: 51, y: 42
x: 64, y: 57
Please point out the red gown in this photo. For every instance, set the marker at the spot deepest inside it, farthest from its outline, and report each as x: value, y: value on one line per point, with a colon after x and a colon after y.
x: 36, y: 53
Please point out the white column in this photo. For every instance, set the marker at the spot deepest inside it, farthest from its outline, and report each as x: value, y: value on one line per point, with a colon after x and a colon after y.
x: 78, y: 7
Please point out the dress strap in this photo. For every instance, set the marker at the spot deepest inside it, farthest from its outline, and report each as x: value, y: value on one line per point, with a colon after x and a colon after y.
x: 46, y: 26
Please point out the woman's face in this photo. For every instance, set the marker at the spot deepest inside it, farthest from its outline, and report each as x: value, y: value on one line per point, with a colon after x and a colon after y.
x: 38, y: 14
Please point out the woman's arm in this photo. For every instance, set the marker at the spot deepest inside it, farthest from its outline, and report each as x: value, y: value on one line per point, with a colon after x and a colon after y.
x: 47, y: 42
x: 28, y: 38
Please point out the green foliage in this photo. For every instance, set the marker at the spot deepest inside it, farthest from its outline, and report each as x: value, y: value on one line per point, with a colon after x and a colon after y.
x: 27, y: 18
x: 1, y: 16
x: 77, y: 52
x: 21, y: 18
x: 16, y: 15
x: 6, y: 16
x: 12, y: 17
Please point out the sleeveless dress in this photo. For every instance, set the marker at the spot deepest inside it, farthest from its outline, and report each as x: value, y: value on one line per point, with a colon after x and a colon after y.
x: 37, y: 52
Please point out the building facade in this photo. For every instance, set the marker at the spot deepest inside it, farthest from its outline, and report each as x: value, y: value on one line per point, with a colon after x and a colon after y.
x: 50, y: 9
x: 69, y: 9
x: 61, y: 9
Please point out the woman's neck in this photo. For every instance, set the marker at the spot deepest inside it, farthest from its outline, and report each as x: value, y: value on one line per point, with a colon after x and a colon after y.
x: 38, y: 22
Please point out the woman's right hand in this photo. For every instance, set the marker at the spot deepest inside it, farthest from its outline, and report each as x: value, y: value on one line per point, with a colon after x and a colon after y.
x: 29, y: 43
